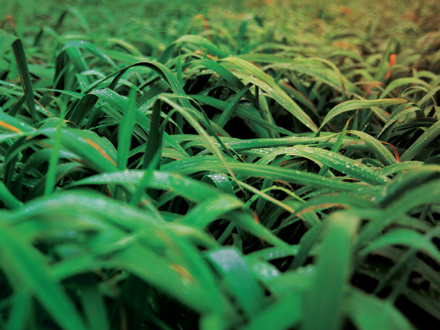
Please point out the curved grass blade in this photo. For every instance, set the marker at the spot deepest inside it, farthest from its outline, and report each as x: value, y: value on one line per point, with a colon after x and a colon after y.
x: 26, y: 265
x: 228, y: 111
x: 241, y: 111
x: 225, y: 73
x: 204, y: 43
x: 120, y: 103
x: 406, y: 112
x: 357, y: 105
x: 400, y: 167
x: 81, y: 108
x: 91, y: 48
x: 7, y: 198
x: 404, y: 237
x: 189, y: 188
x: 337, y: 161
x: 210, y: 210
x: 379, y: 150
x: 422, y: 142
x: 402, y: 82
x: 96, y: 151
x: 199, y: 164
x: 428, y: 95
x: 361, y: 307
x: 12, y: 124
x: 194, y: 123
x: 266, y: 83
x: 425, y: 194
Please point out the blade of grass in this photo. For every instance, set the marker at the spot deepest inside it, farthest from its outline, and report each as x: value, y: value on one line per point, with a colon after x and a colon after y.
x: 357, y: 105
x: 324, y: 302
x: 27, y: 265
x: 25, y: 77
x: 125, y: 132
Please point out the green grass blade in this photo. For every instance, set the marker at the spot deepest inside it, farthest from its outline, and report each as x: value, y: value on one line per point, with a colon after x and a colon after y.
x: 402, y: 82
x: 286, y: 312
x: 379, y: 150
x: 27, y: 265
x: 324, y: 301
x: 154, y: 139
x: 204, y: 43
x: 196, y: 165
x: 7, y: 198
x: 227, y: 113
x: 422, y: 142
x: 361, y: 307
x: 125, y: 132
x: 323, y: 171
x: 357, y: 105
x: 266, y: 83
x: 238, y: 277
x: 25, y: 77
x: 404, y: 237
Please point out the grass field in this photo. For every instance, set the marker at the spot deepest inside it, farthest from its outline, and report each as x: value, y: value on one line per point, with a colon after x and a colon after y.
x: 215, y: 165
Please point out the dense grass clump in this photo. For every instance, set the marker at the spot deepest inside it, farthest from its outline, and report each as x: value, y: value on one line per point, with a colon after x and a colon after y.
x: 261, y: 165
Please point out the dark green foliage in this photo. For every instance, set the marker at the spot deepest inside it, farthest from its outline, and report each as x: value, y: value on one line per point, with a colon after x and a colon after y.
x: 256, y: 165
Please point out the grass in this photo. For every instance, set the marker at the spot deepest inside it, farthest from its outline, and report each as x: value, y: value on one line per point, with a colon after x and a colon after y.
x: 266, y: 165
